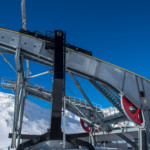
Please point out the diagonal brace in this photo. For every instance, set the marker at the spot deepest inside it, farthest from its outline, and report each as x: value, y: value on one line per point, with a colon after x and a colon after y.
x: 133, y: 144
x: 89, y: 102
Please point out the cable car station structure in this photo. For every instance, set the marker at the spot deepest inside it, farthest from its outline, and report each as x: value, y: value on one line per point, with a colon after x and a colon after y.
x: 127, y: 91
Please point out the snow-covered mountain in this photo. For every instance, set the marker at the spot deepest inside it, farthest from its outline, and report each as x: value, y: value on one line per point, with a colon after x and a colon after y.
x: 36, y: 119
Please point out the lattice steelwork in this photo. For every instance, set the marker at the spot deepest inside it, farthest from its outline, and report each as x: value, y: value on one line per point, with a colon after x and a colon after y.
x: 127, y: 91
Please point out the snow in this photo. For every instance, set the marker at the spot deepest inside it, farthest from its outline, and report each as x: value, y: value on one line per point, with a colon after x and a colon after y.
x: 6, y: 115
x: 36, y: 119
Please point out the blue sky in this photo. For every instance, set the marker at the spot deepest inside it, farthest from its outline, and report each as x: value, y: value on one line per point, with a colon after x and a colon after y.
x: 115, y: 31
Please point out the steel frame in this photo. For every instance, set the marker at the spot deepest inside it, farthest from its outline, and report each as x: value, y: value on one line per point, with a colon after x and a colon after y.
x: 18, y: 56
x: 80, y: 108
x: 110, y: 80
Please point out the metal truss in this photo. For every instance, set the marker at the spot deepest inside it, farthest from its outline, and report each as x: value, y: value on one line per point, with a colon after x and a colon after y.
x: 79, y: 64
x: 80, y: 108
x: 127, y: 91
x: 109, y: 79
x: 76, y: 106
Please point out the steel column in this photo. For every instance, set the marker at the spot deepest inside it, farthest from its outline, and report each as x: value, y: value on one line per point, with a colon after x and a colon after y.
x: 142, y: 139
x: 22, y: 102
x: 58, y: 87
x: 147, y: 127
x: 22, y: 105
x: 146, y: 117
x: 23, y: 11
x: 18, y: 96
x: 92, y: 136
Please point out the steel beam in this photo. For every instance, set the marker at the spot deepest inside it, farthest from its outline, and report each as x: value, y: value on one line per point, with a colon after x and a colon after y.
x: 100, y: 117
x: 40, y: 74
x: 7, y: 61
x: 119, y: 130
x: 133, y: 144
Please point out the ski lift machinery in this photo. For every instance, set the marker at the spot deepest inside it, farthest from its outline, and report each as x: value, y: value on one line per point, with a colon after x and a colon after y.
x: 127, y: 91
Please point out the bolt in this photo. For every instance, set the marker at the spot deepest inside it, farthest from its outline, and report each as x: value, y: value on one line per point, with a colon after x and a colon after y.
x: 59, y: 33
x: 144, y: 101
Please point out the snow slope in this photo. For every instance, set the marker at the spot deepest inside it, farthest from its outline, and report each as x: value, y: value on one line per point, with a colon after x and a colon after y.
x: 6, y: 115
x: 36, y: 119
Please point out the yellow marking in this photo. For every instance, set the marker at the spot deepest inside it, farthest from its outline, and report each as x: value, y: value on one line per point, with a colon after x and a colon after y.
x: 83, y: 54
x: 77, y: 84
x: 25, y: 34
x: 50, y: 71
x: 6, y: 60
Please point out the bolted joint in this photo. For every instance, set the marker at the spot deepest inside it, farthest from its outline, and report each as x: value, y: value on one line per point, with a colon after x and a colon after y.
x: 50, y: 71
x: 6, y: 60
x: 77, y: 84
x: 59, y: 33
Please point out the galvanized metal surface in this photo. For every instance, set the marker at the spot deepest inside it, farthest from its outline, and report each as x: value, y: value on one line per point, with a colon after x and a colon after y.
x: 80, y: 64
x: 118, y: 79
